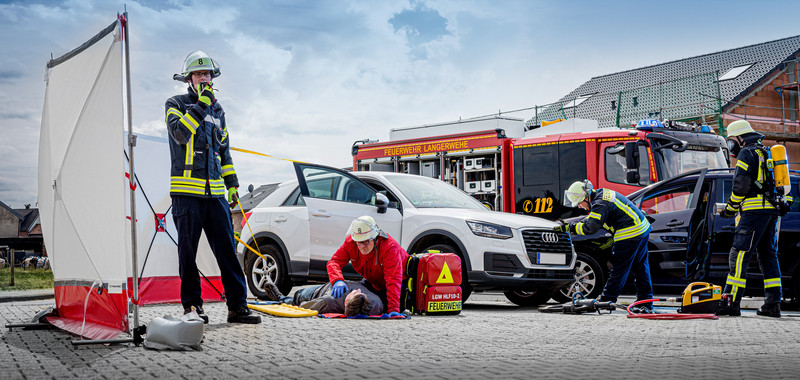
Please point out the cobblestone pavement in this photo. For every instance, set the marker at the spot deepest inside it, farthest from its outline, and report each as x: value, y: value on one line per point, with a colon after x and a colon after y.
x: 490, y: 339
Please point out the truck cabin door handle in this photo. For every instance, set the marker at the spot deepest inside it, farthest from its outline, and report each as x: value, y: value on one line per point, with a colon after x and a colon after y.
x: 321, y: 213
x: 675, y: 223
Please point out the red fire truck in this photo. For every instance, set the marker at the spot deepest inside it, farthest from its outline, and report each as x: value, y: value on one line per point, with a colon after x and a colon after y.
x: 523, y: 171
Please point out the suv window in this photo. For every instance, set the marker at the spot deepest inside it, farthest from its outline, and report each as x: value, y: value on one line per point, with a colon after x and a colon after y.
x: 295, y: 199
x: 328, y: 184
x: 676, y: 198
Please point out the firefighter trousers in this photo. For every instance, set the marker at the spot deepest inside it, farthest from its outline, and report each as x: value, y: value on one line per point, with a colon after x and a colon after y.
x: 193, y: 215
x: 629, y: 255
x: 755, y: 232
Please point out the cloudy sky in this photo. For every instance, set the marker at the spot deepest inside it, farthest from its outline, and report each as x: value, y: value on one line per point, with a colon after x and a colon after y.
x: 304, y: 79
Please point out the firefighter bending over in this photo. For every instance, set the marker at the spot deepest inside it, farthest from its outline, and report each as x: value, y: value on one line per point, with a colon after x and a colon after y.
x: 614, y: 212
x: 756, y: 199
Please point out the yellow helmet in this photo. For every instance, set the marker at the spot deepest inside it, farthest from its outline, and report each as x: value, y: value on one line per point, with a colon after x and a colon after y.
x: 578, y: 191
x: 739, y: 127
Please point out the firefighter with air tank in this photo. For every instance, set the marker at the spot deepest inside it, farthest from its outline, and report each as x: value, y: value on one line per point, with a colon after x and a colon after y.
x: 614, y: 212
x: 760, y: 195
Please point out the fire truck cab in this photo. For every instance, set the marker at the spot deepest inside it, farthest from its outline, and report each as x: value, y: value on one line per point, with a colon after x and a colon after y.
x: 547, y: 160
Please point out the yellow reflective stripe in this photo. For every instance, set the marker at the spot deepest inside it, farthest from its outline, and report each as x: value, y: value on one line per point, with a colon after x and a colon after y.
x: 756, y: 203
x: 736, y: 198
x: 187, y: 120
x: 189, y: 159
x: 187, y: 190
x: 594, y: 215
x: 735, y: 281
x: 631, y: 232
x: 627, y: 210
x: 772, y: 282
x: 742, y: 165
x: 730, y: 207
x: 789, y: 198
x: 738, y: 270
x: 760, y: 177
x: 579, y: 229
x: 227, y: 170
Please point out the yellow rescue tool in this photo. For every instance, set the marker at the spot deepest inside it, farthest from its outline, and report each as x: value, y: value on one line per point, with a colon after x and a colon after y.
x: 284, y: 310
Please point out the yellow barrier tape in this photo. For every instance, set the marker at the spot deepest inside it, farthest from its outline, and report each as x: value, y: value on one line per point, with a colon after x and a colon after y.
x: 265, y: 155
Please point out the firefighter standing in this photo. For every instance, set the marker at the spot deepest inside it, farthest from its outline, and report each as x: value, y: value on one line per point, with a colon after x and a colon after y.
x: 614, y: 212
x: 201, y: 170
x: 755, y: 198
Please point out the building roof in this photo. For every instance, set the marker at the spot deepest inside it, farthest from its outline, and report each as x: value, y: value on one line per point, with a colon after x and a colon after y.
x: 30, y: 218
x: 252, y: 199
x: 764, y: 59
x: 11, y: 210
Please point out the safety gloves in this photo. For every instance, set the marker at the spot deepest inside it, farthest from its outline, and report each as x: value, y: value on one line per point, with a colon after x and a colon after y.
x: 728, y: 211
x: 339, y: 289
x: 233, y: 196
x: 205, y: 95
x: 562, y: 226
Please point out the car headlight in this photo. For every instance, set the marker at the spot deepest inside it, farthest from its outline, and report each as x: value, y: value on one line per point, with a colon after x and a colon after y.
x: 489, y: 230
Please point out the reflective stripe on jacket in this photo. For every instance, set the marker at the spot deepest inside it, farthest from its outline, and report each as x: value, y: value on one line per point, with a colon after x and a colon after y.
x: 201, y: 163
x: 614, y: 212
x: 383, y: 267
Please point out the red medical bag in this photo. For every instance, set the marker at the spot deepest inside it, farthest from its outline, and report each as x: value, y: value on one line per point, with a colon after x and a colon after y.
x: 434, y: 285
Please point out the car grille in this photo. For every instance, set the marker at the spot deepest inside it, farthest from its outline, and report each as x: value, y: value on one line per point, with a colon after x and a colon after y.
x: 535, y: 242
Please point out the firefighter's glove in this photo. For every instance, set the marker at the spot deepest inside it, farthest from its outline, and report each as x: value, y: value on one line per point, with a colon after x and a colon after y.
x: 339, y: 289
x: 205, y: 95
x: 562, y: 226
x: 727, y: 212
x: 233, y: 196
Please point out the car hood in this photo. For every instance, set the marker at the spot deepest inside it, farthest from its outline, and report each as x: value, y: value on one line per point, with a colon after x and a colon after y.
x: 502, y: 218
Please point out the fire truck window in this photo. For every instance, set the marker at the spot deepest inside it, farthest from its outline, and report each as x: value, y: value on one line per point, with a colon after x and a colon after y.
x: 668, y: 200
x: 540, y: 165
x: 616, y: 167
x: 572, y: 162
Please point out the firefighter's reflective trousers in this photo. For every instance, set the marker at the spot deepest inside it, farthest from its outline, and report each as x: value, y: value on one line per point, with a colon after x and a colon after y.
x: 755, y: 232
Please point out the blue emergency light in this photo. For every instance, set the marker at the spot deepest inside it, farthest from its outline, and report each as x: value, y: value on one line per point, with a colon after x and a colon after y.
x: 649, y: 125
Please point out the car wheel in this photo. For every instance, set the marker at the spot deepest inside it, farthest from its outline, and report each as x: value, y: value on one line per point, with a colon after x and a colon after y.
x: 466, y: 288
x: 529, y: 298
x: 589, y: 280
x: 257, y: 270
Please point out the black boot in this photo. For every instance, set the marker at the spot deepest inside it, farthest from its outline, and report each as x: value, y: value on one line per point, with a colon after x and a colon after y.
x: 770, y: 310
x: 731, y: 310
x: 243, y: 314
x: 200, y: 312
x: 273, y: 293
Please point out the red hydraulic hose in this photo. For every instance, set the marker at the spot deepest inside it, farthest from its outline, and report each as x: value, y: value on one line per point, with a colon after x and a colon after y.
x: 631, y: 314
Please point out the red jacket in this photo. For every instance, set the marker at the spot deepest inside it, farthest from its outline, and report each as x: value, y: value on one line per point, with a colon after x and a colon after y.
x: 383, y: 267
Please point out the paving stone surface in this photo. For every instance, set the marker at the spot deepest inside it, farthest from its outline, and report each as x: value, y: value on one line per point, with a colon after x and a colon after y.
x: 490, y: 339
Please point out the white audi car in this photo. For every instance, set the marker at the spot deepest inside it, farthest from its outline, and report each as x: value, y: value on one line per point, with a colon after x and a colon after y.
x: 299, y: 226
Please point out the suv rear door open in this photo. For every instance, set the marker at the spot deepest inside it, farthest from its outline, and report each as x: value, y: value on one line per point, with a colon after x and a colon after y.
x: 334, y: 199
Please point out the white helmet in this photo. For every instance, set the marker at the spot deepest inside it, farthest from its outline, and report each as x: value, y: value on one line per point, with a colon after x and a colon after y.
x: 364, y: 228
x: 578, y: 191
x: 197, y: 60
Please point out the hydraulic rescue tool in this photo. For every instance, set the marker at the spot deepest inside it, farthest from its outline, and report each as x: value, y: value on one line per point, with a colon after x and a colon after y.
x: 580, y: 305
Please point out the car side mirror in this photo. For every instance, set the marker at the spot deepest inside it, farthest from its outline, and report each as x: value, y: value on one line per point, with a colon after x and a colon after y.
x: 632, y: 162
x: 382, y: 201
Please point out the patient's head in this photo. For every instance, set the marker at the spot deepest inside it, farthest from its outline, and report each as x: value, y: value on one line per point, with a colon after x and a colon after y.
x: 356, y: 303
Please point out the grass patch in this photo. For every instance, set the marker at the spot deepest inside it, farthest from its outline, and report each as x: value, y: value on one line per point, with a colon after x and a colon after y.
x: 26, y: 279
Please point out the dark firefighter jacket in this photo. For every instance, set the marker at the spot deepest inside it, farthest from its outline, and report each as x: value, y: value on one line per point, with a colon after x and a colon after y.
x: 198, y: 147
x: 749, y: 190
x: 613, y: 212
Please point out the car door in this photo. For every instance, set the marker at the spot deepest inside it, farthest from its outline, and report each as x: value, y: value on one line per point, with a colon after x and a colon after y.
x: 334, y: 199
x: 669, y: 208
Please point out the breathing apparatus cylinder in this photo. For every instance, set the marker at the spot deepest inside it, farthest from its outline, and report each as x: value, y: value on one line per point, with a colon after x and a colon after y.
x: 780, y: 162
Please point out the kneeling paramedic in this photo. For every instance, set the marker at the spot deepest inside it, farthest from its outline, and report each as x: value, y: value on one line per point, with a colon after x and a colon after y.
x: 614, y: 212
x: 201, y: 170
x: 756, y: 199
x: 359, y: 301
x: 376, y: 256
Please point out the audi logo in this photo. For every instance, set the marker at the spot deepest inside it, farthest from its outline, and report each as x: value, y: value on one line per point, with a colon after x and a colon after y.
x: 549, y: 237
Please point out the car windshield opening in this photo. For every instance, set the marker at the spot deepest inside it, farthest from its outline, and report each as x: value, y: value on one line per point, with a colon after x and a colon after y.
x: 430, y: 193
x: 676, y: 163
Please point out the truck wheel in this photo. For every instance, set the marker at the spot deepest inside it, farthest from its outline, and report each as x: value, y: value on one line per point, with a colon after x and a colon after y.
x: 257, y: 270
x: 529, y: 298
x: 466, y: 288
x: 589, y: 280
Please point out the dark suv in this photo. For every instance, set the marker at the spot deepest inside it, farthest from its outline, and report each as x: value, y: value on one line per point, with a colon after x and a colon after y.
x: 690, y: 241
